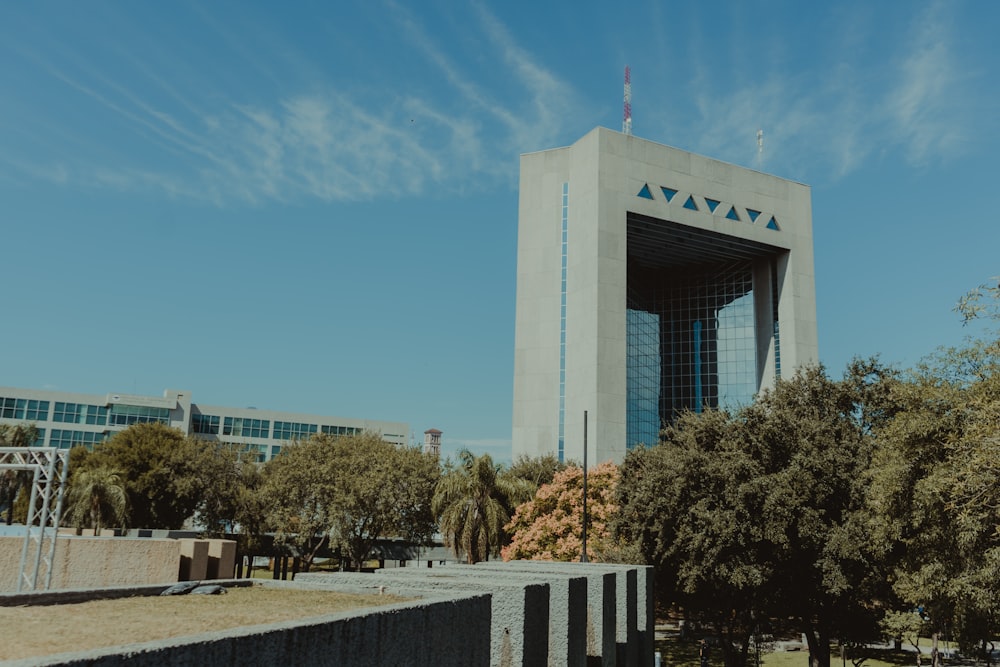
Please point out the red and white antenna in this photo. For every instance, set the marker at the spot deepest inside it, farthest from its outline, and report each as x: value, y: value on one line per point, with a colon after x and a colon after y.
x: 627, y: 115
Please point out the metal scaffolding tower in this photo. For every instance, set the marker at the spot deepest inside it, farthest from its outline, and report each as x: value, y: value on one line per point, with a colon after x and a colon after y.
x: 48, y: 467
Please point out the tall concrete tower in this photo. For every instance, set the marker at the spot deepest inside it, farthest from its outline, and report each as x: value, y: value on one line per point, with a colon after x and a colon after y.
x: 651, y: 280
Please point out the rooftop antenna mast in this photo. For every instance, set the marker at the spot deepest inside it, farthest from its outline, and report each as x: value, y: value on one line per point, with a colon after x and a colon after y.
x: 627, y: 115
x: 760, y: 150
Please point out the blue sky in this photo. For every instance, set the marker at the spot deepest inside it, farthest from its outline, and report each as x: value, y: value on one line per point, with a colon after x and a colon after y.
x: 313, y: 206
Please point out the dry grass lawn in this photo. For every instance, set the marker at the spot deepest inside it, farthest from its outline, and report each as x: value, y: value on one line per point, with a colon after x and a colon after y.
x: 44, y: 630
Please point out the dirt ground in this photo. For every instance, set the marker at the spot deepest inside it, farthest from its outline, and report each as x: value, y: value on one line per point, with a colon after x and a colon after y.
x: 43, y: 630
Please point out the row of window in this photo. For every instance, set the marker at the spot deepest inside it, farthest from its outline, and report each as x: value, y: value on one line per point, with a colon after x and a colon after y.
x: 81, y: 413
x: 65, y: 439
x: 261, y: 428
x: 22, y: 408
x: 126, y: 415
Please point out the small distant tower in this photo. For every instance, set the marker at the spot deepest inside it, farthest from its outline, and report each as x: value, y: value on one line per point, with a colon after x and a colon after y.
x: 432, y: 442
x: 627, y: 112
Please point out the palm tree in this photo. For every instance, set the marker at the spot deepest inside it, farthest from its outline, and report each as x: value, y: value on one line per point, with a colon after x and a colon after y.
x: 13, y: 482
x: 97, y: 494
x: 473, y: 503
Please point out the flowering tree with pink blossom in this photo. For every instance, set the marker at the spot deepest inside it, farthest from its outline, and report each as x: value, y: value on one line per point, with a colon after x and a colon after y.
x: 550, y: 526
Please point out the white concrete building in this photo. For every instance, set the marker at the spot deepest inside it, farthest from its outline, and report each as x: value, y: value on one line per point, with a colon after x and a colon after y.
x: 651, y: 280
x: 68, y: 419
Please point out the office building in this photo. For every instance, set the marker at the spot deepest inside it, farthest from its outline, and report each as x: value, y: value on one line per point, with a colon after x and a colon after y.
x: 650, y: 281
x: 65, y: 420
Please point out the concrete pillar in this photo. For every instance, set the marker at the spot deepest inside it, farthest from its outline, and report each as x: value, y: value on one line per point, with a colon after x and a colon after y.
x: 567, y: 611
x: 519, y: 608
x: 221, y: 559
x: 631, y: 638
x: 194, y: 560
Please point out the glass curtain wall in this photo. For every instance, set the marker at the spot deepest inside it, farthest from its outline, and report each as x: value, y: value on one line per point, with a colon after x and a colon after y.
x: 691, y: 344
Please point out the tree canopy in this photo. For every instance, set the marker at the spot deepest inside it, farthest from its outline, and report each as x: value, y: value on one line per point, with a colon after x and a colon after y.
x: 160, y: 469
x: 550, y: 525
x: 474, y: 501
x: 351, y: 490
x: 749, y: 515
x: 12, y: 482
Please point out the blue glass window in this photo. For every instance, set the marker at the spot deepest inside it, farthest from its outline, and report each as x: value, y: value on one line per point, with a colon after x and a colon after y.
x: 668, y: 193
x: 562, y: 315
x: 733, y: 215
x: 753, y: 214
x: 64, y: 439
x: 645, y: 193
x: 293, y: 430
x: 691, y: 345
x: 772, y: 224
x: 206, y: 424
x: 245, y: 427
x: 690, y: 203
x: 126, y: 415
x: 12, y: 408
x: 712, y: 204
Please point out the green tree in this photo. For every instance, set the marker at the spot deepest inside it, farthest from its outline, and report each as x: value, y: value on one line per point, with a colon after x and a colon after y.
x: 350, y: 490
x: 13, y: 482
x: 904, y: 626
x: 537, y: 470
x: 473, y: 502
x: 760, y: 514
x: 229, y: 482
x: 690, y: 507
x: 550, y: 525
x: 160, y: 469
x: 298, y: 490
x: 97, y: 498
x: 934, y: 501
x: 382, y: 490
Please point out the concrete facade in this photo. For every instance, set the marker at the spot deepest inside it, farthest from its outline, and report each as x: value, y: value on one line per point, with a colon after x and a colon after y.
x: 66, y: 419
x: 592, y: 217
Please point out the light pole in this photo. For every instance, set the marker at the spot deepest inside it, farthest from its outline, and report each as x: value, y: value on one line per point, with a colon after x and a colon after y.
x: 583, y: 557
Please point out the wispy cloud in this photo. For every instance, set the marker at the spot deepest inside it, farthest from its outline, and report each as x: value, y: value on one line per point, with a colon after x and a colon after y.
x: 333, y: 142
x: 922, y: 107
x: 836, y: 118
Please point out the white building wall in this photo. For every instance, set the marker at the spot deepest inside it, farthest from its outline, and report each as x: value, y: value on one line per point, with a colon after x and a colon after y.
x: 605, y: 170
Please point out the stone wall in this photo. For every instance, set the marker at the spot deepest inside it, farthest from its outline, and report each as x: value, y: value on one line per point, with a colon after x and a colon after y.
x: 452, y: 631
x: 94, y: 562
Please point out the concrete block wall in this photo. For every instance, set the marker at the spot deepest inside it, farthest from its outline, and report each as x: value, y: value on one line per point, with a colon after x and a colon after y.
x: 621, y: 615
x: 498, y: 614
x: 221, y: 559
x: 90, y: 562
x: 519, y: 609
x: 418, y: 633
x: 597, y: 613
x: 567, y: 612
x: 193, y: 565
